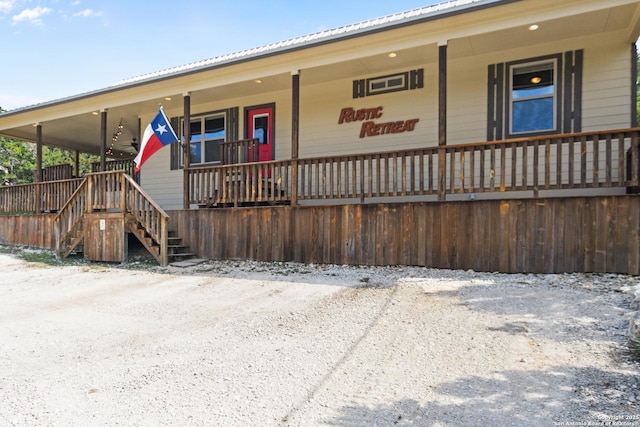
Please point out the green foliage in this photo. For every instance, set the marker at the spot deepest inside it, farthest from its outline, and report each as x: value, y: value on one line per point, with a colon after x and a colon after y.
x: 53, y: 156
x: 17, y: 162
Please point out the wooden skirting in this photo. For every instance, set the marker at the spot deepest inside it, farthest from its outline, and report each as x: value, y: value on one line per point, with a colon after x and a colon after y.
x: 553, y: 235
x: 591, y: 234
x: 28, y: 230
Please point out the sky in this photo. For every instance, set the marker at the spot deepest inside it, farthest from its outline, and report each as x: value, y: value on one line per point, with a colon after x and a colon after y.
x: 51, y: 49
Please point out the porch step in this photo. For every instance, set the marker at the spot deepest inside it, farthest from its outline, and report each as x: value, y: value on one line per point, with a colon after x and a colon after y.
x: 175, y: 249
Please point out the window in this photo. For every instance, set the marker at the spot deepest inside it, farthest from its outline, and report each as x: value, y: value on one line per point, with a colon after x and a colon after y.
x: 407, y: 80
x: 533, y: 97
x: 207, y: 132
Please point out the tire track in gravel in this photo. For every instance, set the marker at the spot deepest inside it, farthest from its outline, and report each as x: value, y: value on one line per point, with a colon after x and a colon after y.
x: 351, y: 350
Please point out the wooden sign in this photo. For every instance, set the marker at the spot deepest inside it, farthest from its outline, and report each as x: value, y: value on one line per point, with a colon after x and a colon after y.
x: 370, y: 127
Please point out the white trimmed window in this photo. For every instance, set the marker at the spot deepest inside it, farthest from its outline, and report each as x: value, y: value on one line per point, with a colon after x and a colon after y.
x: 533, y: 97
x: 207, y: 133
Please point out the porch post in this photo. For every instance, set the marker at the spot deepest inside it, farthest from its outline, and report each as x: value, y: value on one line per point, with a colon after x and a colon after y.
x: 186, y: 140
x: 38, y: 194
x: 442, y: 120
x: 38, y: 152
x: 103, y: 140
x: 77, y: 163
x: 295, y: 128
x: 442, y: 94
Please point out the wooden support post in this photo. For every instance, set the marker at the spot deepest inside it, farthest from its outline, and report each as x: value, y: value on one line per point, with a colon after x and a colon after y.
x: 295, y: 127
x: 186, y: 140
x: 164, y: 242
x: 77, y: 164
x: 442, y: 122
x: 38, y: 194
x: 442, y: 95
x: 123, y: 191
x: 103, y: 140
x: 295, y: 114
x: 442, y: 174
x: 38, y: 152
x: 89, y: 202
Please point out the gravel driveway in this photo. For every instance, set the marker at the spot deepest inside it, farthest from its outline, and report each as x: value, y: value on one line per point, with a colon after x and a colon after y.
x: 273, y: 344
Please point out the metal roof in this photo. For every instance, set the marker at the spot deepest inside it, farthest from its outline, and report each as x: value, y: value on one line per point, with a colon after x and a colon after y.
x: 413, y: 16
x: 400, y: 18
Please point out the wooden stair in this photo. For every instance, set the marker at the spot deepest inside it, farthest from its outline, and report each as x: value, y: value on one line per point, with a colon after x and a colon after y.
x: 176, y: 250
x: 115, y: 192
x: 73, y: 241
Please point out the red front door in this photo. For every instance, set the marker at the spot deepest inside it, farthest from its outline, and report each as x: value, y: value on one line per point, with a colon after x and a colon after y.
x: 260, y: 126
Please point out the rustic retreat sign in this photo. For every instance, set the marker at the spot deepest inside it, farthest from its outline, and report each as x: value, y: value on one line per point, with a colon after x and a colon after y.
x: 370, y: 127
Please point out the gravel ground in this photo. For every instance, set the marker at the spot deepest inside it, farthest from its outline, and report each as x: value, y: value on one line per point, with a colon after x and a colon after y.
x: 283, y: 344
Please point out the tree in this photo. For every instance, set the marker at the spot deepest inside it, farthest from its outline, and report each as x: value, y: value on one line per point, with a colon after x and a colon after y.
x: 17, y: 162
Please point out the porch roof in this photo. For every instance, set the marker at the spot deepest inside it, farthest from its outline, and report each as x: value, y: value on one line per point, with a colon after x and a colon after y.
x: 470, y: 27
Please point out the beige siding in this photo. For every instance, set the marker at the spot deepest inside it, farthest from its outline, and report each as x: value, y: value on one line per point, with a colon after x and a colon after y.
x: 606, y: 100
x: 605, y: 105
x: 321, y: 104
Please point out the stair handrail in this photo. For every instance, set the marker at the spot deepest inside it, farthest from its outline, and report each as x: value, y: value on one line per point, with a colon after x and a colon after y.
x: 148, y: 214
x: 70, y: 215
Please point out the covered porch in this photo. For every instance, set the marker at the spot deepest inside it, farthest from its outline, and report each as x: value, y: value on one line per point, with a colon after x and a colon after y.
x: 568, y: 165
x: 573, y: 209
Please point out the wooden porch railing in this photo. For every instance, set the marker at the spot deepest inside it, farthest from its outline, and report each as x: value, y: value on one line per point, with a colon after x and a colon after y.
x: 128, y: 166
x: 116, y: 192
x: 148, y: 214
x: 68, y: 222
x: 557, y: 162
x: 242, y: 183
x: 57, y: 172
x: 37, y: 198
x: 243, y: 151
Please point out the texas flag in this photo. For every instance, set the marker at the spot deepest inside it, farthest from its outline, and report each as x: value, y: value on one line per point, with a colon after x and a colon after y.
x: 157, y: 134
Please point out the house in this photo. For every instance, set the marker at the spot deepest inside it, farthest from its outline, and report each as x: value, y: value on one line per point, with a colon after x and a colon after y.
x: 498, y: 135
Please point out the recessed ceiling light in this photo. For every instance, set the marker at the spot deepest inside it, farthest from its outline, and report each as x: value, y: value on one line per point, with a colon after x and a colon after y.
x: 533, y: 27
x: 536, y: 79
x: 258, y: 81
x: 95, y: 113
x: 168, y: 98
x: 392, y: 55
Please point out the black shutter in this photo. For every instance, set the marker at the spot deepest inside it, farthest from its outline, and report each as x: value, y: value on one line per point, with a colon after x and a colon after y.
x: 416, y: 79
x: 176, y: 147
x: 572, y: 95
x: 495, y: 102
x: 233, y: 125
x: 359, y: 88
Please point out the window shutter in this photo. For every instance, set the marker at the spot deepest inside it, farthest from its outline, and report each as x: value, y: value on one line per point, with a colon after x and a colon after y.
x: 359, y: 89
x: 495, y: 102
x: 176, y: 147
x: 573, y: 91
x: 233, y: 125
x: 416, y: 79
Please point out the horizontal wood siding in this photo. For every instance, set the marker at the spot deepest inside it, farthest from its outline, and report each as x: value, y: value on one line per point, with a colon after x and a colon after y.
x: 554, y: 235
x: 27, y: 230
